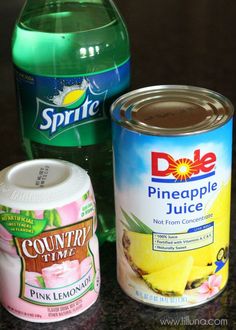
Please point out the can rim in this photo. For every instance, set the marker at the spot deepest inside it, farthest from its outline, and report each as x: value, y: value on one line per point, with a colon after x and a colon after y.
x: 217, y: 118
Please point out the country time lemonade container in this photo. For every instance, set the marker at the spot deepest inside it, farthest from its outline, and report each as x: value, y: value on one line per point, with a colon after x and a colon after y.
x: 49, y: 261
x: 172, y: 172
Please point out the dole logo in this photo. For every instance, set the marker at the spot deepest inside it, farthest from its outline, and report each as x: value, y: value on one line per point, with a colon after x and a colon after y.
x: 183, y: 169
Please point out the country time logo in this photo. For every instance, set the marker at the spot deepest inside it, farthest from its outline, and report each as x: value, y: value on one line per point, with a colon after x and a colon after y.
x: 167, y: 169
x: 72, y: 106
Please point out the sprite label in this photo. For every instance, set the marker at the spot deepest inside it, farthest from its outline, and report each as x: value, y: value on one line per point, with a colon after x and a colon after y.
x: 69, y: 111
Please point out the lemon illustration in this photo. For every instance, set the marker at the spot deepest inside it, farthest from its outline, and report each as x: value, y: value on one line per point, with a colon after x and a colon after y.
x: 74, y: 98
x: 71, y: 97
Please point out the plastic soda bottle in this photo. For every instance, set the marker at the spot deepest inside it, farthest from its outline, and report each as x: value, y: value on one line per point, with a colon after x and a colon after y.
x: 71, y: 61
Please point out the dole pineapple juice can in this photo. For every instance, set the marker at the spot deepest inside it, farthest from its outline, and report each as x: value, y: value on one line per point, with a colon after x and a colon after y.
x: 49, y: 260
x: 172, y: 171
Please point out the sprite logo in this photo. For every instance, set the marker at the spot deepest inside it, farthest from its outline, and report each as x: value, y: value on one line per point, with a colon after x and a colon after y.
x: 73, y: 106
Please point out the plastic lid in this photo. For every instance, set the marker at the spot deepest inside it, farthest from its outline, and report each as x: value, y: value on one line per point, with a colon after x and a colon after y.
x: 42, y: 184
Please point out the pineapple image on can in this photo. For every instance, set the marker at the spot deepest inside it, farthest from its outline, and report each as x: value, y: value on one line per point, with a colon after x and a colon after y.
x: 172, y: 150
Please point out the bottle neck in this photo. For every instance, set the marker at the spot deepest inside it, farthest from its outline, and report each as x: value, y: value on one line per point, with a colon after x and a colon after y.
x: 69, y: 38
x: 41, y: 5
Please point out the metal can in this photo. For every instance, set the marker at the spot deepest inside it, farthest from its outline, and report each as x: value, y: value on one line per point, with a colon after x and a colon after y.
x: 172, y: 171
x: 49, y: 259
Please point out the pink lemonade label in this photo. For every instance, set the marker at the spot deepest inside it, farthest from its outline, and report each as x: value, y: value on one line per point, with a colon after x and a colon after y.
x: 49, y: 260
x: 62, y: 295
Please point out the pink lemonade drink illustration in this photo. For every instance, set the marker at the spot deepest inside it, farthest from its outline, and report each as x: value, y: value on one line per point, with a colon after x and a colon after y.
x: 49, y: 260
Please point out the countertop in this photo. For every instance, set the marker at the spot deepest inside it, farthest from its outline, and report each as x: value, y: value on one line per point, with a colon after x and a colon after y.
x: 173, y: 42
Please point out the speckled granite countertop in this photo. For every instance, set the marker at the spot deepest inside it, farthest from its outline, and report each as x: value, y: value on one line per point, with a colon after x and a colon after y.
x: 173, y: 42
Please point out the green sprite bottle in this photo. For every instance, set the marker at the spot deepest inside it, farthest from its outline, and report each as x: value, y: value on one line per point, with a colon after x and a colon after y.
x: 71, y: 61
